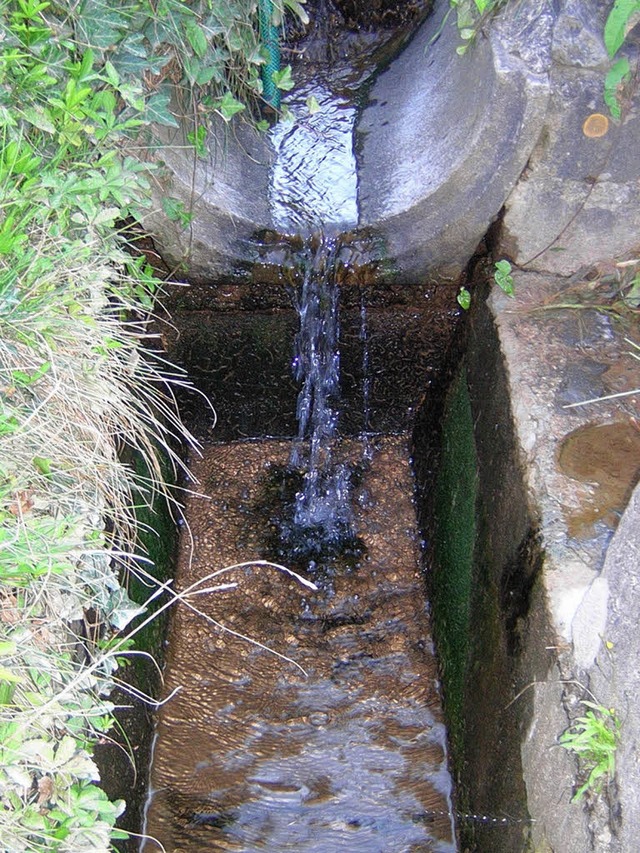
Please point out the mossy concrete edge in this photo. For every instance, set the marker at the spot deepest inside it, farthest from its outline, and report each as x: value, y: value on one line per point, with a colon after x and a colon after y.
x: 551, y: 611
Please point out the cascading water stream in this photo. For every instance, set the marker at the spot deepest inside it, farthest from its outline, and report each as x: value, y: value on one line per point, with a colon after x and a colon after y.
x: 322, y: 505
x: 314, y: 190
x: 366, y: 381
x: 306, y: 717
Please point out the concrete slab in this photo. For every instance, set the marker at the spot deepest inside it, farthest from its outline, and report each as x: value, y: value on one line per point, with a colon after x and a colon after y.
x: 578, y: 633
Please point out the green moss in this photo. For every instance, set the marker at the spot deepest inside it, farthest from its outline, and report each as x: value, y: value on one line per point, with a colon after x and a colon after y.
x: 157, y: 541
x: 455, y: 517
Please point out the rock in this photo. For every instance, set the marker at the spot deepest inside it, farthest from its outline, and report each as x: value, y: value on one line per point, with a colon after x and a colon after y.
x: 578, y: 201
x: 445, y: 137
x: 615, y: 680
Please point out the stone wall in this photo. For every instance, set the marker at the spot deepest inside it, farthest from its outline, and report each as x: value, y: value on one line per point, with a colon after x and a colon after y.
x: 554, y: 584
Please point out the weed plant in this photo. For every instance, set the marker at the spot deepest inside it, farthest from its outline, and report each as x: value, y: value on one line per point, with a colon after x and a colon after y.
x: 79, y: 84
x: 593, y: 738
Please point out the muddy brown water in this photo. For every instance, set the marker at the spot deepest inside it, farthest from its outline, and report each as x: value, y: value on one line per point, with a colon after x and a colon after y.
x: 334, y: 739
x: 607, y: 457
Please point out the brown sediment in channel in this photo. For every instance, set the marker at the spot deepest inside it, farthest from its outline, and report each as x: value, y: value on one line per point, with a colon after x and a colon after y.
x: 252, y: 753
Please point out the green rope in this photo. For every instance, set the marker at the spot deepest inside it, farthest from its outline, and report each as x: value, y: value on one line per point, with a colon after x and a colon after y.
x: 270, y: 39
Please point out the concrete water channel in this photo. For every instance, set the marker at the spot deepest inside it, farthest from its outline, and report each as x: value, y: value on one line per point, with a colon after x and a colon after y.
x: 314, y: 721
x: 471, y: 430
x: 307, y: 713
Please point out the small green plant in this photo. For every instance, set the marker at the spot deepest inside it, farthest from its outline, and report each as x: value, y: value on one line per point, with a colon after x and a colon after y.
x: 593, y: 738
x: 503, y: 277
x: 470, y: 16
x: 621, y: 19
x: 464, y: 298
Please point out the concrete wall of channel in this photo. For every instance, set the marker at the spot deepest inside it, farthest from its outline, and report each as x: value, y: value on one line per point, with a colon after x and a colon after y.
x: 443, y: 143
x: 552, y: 570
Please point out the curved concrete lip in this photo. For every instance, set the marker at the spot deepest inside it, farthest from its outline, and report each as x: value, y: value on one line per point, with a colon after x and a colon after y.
x: 439, y: 147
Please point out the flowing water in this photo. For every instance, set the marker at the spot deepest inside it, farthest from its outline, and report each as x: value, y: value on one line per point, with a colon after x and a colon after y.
x: 331, y: 741
x: 323, y: 503
x: 314, y: 183
x: 304, y: 713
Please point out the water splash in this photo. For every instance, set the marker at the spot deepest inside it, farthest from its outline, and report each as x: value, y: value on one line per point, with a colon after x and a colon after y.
x: 366, y: 381
x: 314, y: 190
x: 322, y: 507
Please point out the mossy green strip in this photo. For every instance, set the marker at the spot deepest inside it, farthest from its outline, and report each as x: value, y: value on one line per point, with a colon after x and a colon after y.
x: 455, y: 518
x: 157, y: 538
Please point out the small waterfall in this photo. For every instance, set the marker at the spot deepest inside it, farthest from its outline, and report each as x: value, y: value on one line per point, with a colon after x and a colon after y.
x: 314, y: 189
x: 366, y: 381
x: 322, y: 505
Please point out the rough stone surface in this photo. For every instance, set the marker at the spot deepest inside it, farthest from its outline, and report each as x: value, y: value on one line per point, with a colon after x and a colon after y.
x: 614, y: 676
x: 225, y: 194
x: 588, y: 589
x: 578, y: 201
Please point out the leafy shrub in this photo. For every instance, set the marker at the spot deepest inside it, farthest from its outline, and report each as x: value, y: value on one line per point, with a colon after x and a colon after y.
x: 79, y: 83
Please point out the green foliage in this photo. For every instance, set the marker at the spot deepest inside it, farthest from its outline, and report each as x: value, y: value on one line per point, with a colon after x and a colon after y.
x: 614, y: 82
x: 618, y: 24
x: 74, y: 386
x: 283, y: 78
x: 470, y: 16
x: 464, y: 298
x: 176, y: 211
x: 631, y: 293
x: 198, y: 138
x: 593, y: 738
x: 80, y: 84
x: 503, y: 277
x: 623, y: 15
x: 295, y: 6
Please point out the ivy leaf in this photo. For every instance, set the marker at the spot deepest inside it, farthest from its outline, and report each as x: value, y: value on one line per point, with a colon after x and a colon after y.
x: 196, y: 38
x: 157, y: 110
x: 464, y: 298
x: 198, y: 139
x: 228, y: 106
x: 312, y: 104
x: 283, y: 78
x: 101, y: 25
x: 616, y: 27
x: 297, y: 8
x: 176, y: 211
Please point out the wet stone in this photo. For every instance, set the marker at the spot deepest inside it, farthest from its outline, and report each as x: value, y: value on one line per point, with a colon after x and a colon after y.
x: 607, y: 457
x: 317, y: 724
